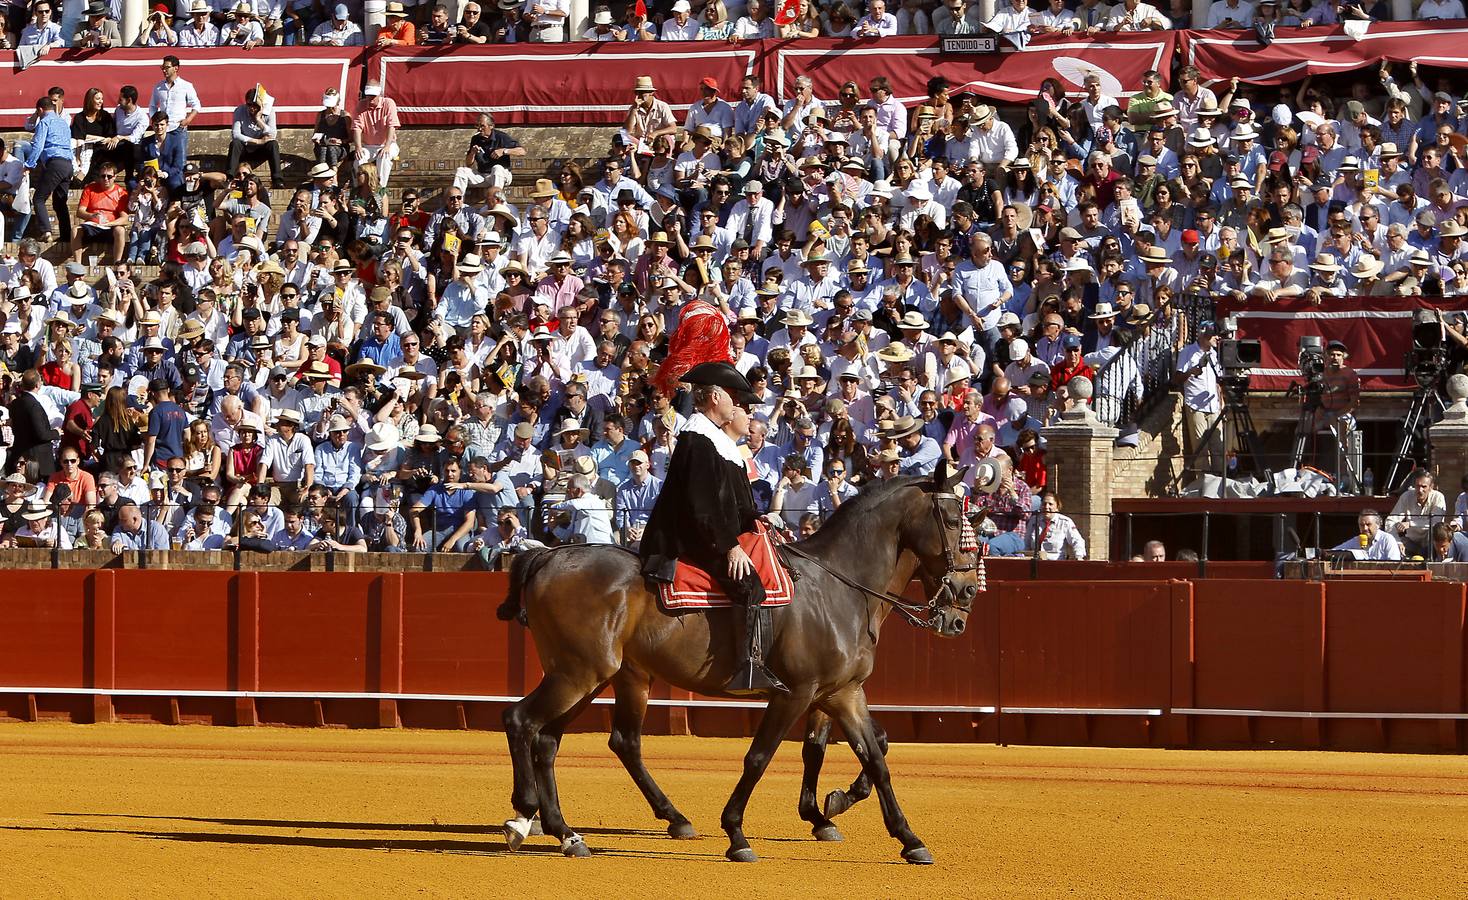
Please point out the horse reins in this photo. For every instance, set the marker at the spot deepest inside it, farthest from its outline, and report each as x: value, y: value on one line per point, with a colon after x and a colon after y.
x: 910, y: 612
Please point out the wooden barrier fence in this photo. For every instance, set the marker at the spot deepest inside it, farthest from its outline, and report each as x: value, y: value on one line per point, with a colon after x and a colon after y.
x: 1168, y: 663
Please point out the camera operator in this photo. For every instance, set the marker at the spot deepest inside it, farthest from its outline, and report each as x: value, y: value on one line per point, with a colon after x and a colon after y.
x: 1196, y: 376
x: 1332, y: 393
x: 1455, y: 329
x: 1340, y: 388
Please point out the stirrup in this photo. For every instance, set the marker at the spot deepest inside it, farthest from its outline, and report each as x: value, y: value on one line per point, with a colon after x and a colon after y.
x: 752, y: 679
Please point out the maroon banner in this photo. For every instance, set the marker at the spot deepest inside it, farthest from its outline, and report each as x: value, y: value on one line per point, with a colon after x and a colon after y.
x: 1012, y: 75
x: 295, y: 76
x: 591, y: 84
x: 1378, y: 331
x: 551, y: 84
x: 1297, y: 52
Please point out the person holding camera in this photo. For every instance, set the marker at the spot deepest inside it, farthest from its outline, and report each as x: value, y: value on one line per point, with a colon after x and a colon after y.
x: 1197, y: 377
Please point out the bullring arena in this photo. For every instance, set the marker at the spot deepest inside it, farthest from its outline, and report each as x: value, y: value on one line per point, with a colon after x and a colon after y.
x: 366, y: 325
x: 123, y: 810
x: 347, y: 808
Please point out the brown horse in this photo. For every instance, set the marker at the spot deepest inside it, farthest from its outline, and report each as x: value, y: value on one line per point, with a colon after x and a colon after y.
x: 595, y: 623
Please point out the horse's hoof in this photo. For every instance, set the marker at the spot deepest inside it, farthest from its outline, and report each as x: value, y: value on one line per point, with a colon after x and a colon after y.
x: 516, y: 830
x: 742, y: 855
x: 574, y: 846
x: 829, y: 833
x: 918, y: 856
x: 682, y: 831
x: 535, y: 829
x: 837, y: 803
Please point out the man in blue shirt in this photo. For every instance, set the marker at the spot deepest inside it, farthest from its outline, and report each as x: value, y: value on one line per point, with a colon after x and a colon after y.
x: 920, y: 453
x: 339, y: 467
x: 614, y: 450
x: 49, y: 161
x: 135, y: 532
x: 382, y: 345
x: 166, y: 425
x: 449, y: 511
x: 635, y: 498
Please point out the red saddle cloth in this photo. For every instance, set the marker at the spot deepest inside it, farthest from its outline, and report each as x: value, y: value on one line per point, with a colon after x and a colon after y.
x: 693, y: 588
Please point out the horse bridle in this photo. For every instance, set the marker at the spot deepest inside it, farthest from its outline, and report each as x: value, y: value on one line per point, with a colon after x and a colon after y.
x: 913, y: 613
x: 968, y: 544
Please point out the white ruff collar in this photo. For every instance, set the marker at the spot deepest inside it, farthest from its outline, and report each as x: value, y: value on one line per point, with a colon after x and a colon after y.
x: 723, y: 444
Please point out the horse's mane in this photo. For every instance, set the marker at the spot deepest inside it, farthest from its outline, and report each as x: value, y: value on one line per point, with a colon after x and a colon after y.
x: 852, y: 515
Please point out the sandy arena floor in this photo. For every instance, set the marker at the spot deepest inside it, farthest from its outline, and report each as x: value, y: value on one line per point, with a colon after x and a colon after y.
x: 148, y: 811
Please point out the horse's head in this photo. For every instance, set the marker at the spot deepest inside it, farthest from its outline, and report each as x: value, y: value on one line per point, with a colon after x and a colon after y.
x: 938, y: 533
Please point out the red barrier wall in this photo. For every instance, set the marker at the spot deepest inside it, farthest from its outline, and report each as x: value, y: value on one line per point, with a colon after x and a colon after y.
x: 1214, y: 663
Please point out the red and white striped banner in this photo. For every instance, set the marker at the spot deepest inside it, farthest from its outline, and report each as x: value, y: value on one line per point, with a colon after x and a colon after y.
x: 1378, y: 331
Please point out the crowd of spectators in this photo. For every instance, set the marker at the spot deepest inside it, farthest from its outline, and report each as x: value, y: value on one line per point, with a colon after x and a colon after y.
x: 252, y: 23
x: 463, y: 372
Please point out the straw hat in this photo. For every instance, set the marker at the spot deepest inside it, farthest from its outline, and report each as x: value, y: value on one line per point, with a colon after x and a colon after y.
x: 905, y: 426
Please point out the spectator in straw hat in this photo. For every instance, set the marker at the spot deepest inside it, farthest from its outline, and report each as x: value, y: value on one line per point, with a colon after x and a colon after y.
x: 397, y: 30
x: 648, y: 117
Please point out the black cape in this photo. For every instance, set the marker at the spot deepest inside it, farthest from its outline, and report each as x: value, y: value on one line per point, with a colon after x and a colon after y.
x: 704, y: 506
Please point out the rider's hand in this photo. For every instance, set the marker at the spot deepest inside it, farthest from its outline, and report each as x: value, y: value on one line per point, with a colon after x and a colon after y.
x: 739, y: 563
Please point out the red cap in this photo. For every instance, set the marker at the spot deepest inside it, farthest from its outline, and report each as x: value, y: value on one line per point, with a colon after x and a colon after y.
x: 160, y: 7
x: 1190, y: 236
x: 710, y: 82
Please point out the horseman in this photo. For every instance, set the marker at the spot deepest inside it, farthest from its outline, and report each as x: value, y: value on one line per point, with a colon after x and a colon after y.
x: 705, y: 505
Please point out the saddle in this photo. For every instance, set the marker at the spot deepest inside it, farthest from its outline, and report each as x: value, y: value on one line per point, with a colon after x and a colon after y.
x: 694, y: 589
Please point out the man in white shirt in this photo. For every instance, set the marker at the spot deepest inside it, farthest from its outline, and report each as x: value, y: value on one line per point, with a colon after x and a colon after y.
x: 180, y: 102
x: 711, y: 110
x: 547, y: 19
x: 753, y: 219
x: 1095, y: 101
x: 1054, y: 19
x: 1012, y: 23
x: 1416, y: 511
x: 338, y: 31
x: 1440, y: 9
x: 584, y: 517
x: 1373, y: 542
x: 1197, y: 376
x: 1230, y: 14
x: 876, y: 23
x: 1133, y: 15
x: 992, y: 140
x: 680, y: 26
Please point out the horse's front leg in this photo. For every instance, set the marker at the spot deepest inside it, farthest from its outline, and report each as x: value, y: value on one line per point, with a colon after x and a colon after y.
x: 849, y: 708
x: 779, y: 716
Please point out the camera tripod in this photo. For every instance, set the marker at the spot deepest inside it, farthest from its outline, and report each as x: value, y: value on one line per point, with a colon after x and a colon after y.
x: 1341, y: 429
x: 1426, y: 408
x: 1235, y: 389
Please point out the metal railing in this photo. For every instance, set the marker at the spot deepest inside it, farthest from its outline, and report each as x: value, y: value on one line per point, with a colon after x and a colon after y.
x: 1131, y: 383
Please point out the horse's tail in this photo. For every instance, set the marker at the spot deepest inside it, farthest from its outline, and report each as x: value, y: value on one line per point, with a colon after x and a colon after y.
x: 521, y: 568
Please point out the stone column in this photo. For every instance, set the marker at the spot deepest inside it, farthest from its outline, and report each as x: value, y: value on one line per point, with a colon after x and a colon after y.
x: 1402, y: 11
x: 1200, y: 13
x: 1449, y: 440
x: 1079, y: 459
x: 986, y: 10
x: 374, y: 17
x: 579, y: 20
x: 134, y: 12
